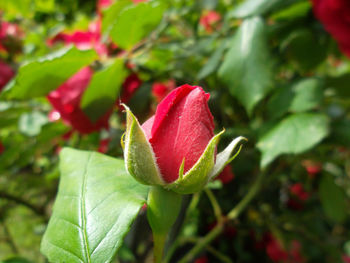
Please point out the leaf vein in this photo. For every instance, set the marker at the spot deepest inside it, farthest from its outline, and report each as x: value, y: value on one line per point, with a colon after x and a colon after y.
x: 66, y: 251
x: 83, y: 209
x: 98, y: 244
x: 66, y: 220
x: 101, y: 202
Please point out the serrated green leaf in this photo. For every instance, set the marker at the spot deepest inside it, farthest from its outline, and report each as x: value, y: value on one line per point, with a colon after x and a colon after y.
x: 139, y: 157
x: 295, y: 134
x: 333, y: 199
x: 301, y: 96
x: 305, y: 49
x: 296, y: 10
x: 45, y: 6
x: 213, y: 63
x: 308, y: 95
x: 103, y: 90
x: 96, y: 203
x: 110, y: 16
x: 247, y: 67
x: 198, y: 176
x: 17, y: 8
x: 280, y: 101
x: 136, y: 22
x: 40, y: 76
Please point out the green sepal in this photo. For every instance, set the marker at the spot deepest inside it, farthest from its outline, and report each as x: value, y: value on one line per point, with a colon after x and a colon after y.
x: 198, y: 176
x: 224, y: 158
x: 139, y: 157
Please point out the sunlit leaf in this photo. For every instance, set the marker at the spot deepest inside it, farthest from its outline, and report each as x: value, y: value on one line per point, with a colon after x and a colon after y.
x: 295, y: 134
x: 247, y: 66
x: 103, y: 90
x: 136, y: 22
x: 40, y: 76
x: 96, y: 203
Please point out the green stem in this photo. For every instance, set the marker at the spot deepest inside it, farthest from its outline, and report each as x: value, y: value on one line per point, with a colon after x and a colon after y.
x: 233, y: 214
x: 159, y: 243
x: 179, y: 241
x: 203, y: 242
x: 219, y: 255
x: 214, y: 203
x: 163, y: 207
x: 237, y: 210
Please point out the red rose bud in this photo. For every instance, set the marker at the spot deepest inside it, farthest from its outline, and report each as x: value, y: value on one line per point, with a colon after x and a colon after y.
x: 209, y: 19
x: 66, y: 102
x: 334, y: 15
x: 160, y: 89
x: 346, y: 259
x: 176, y: 147
x: 6, y: 74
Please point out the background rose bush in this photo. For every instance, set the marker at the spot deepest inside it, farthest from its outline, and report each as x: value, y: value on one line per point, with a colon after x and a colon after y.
x: 277, y: 73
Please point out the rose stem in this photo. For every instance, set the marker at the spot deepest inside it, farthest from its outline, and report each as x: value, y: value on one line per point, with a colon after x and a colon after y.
x: 233, y: 214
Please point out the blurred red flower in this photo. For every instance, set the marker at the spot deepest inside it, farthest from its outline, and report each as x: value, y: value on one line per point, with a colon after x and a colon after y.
x: 346, y: 259
x: 161, y: 89
x: 226, y: 175
x: 10, y: 37
x: 202, y: 259
x: 66, y: 101
x: 335, y: 16
x: 278, y: 254
x: 209, y: 19
x: 298, y: 191
x: 130, y: 86
x: 104, y: 144
x: 83, y: 40
x: 298, y: 196
x: 103, y: 4
x: 312, y: 168
x: 6, y: 74
x: 275, y: 251
x: 9, y: 30
x: 2, y: 148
